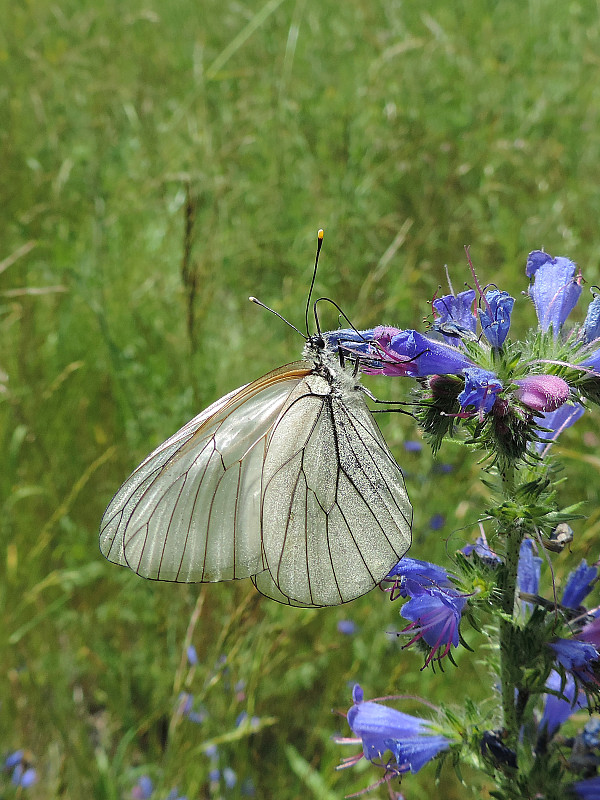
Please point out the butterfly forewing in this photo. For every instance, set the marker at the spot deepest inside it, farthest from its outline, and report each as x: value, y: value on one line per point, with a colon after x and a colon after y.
x: 336, y: 515
x: 191, y: 510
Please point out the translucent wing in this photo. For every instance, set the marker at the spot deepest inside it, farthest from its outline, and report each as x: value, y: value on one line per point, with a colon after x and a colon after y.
x: 335, y: 510
x: 191, y: 510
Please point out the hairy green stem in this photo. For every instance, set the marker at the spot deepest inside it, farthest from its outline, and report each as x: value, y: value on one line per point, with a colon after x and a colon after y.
x: 513, y: 538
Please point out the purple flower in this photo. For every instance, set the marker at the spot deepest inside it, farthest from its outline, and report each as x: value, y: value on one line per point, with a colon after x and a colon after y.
x: 591, y: 325
x: 346, y: 626
x: 413, y: 354
x: 455, y: 314
x: 243, y: 719
x: 542, y: 392
x: 192, y: 655
x: 380, y: 728
x: 229, y: 777
x: 579, y: 585
x: 435, y: 615
x: 412, y: 753
x: 576, y: 657
x: 185, y: 703
x: 558, y: 710
x: 588, y: 789
x: 495, y: 316
x: 349, y: 342
x: 591, y: 633
x: 483, y: 551
x: 437, y: 522
x: 555, y: 289
x: 349, y: 339
x: 528, y: 570
x: 12, y: 759
x: 421, y: 572
x: 592, y: 361
x: 143, y: 788
x: 24, y: 776
x: 557, y: 421
x: 481, y: 388
x: 186, y: 708
x: 413, y: 446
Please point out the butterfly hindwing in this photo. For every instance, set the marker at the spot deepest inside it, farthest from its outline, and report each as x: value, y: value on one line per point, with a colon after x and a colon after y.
x: 336, y: 515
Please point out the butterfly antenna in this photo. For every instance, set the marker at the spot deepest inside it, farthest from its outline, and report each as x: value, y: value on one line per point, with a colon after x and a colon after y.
x: 312, y: 283
x: 257, y: 302
x: 341, y: 313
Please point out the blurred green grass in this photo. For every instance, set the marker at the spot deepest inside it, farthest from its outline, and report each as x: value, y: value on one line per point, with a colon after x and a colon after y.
x: 405, y: 130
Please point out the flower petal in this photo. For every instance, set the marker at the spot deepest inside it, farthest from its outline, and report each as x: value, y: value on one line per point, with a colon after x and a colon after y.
x: 555, y: 289
x: 495, y: 316
x: 542, y: 392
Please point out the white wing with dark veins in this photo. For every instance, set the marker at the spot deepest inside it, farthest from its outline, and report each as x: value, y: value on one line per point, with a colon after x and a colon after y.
x: 191, y: 510
x: 336, y: 515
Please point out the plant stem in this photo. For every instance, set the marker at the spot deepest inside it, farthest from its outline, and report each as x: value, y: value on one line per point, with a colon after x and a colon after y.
x: 514, y: 537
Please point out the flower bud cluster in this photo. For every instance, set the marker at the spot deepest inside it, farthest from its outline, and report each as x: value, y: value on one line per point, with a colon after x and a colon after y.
x: 512, y: 397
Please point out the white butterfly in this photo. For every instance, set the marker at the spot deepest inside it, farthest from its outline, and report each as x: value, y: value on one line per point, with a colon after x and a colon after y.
x: 286, y: 480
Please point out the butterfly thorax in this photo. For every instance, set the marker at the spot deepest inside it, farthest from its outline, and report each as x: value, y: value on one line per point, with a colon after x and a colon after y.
x: 326, y: 364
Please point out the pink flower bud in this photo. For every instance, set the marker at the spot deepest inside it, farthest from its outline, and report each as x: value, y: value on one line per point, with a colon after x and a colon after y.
x: 542, y: 392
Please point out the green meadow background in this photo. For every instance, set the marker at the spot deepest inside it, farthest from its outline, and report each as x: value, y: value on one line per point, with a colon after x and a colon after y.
x: 161, y: 161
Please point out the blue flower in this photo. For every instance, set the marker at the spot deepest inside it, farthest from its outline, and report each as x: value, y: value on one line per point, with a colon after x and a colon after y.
x: 24, y: 776
x: 413, y: 354
x: 495, y: 316
x: 422, y: 572
x: 350, y: 342
x: 412, y: 753
x: 437, y: 522
x: 435, y: 615
x: 456, y: 315
x: 192, y: 655
x: 555, y: 289
x: 591, y: 325
x: 413, y: 446
x: 588, y: 789
x: 579, y: 585
x: 143, y: 788
x: 578, y: 658
x: 412, y: 740
x: 174, y: 795
x: 591, y: 632
x: 556, y: 422
x: 346, y: 626
x: 529, y: 567
x: 229, y: 777
x: 350, y: 337
x: 483, y: 551
x: 186, y: 708
x: 12, y: 759
x: 481, y: 388
x: 556, y: 709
